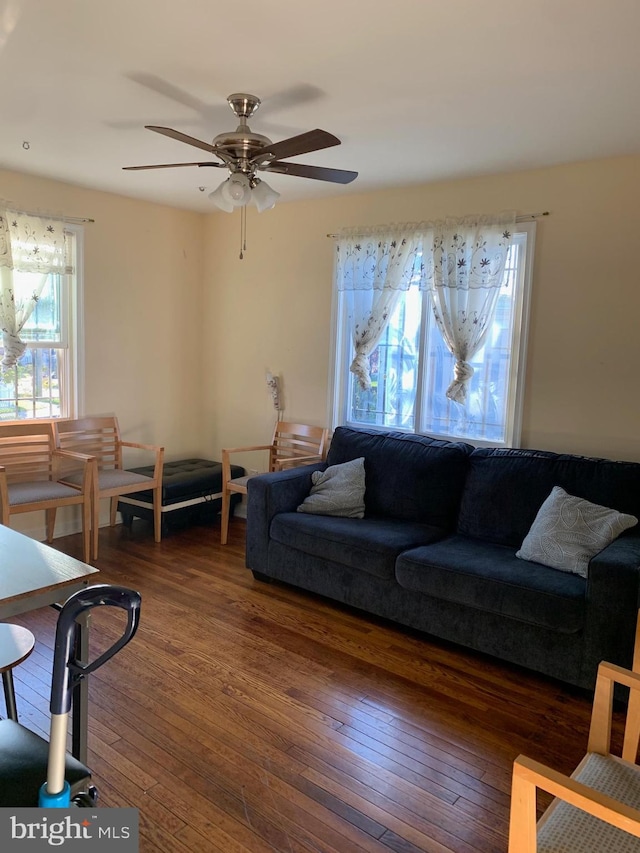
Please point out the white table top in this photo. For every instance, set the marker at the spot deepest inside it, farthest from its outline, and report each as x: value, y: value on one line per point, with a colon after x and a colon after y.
x: 33, y: 574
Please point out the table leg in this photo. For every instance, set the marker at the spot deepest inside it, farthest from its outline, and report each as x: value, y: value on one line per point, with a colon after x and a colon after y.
x: 9, y: 695
x: 80, y: 699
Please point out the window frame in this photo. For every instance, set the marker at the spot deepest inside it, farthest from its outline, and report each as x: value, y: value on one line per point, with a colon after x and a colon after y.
x: 342, y: 348
x: 71, y: 345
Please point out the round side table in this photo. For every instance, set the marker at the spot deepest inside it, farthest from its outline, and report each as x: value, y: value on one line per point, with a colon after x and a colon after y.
x: 16, y: 644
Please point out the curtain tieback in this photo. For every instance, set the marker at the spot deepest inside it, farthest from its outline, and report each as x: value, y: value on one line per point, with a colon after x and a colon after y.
x: 360, y: 366
x: 13, y: 349
x: 462, y: 373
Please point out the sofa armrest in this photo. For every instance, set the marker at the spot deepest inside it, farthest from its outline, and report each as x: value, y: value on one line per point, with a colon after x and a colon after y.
x: 268, y: 495
x: 613, y: 598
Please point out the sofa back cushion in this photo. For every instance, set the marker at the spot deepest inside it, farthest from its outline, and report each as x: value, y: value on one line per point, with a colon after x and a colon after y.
x: 407, y: 477
x: 505, y: 488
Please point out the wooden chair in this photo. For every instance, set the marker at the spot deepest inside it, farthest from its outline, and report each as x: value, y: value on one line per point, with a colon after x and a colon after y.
x: 291, y: 445
x: 31, y: 473
x: 597, y: 808
x: 100, y: 436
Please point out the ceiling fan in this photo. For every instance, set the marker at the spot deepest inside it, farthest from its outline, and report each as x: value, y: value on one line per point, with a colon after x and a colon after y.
x: 245, y: 153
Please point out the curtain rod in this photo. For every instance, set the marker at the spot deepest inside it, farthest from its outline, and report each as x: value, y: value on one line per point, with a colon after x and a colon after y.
x: 76, y: 220
x: 524, y: 218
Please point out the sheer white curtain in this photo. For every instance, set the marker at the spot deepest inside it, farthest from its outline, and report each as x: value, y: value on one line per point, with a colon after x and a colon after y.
x: 372, y: 271
x: 466, y: 260
x: 28, y: 244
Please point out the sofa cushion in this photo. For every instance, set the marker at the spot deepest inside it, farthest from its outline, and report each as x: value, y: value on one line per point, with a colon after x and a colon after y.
x: 505, y: 489
x: 569, y: 531
x: 367, y: 545
x: 409, y: 477
x: 490, y: 577
x: 338, y: 490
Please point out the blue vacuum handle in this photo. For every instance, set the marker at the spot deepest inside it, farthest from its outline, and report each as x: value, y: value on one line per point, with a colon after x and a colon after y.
x: 67, y: 670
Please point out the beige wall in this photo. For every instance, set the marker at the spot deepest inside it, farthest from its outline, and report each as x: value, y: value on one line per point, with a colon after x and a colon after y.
x: 273, y: 309
x: 142, y: 319
x: 179, y: 332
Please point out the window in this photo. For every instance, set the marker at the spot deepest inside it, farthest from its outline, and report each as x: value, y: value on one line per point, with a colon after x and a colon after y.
x: 411, y: 366
x: 43, y: 383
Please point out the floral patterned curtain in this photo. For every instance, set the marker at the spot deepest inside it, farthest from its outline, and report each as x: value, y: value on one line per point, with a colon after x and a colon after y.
x: 373, y: 270
x: 466, y: 270
x: 31, y: 244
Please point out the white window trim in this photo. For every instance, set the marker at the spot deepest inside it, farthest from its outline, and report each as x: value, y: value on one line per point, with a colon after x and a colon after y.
x: 75, y: 319
x: 522, y: 311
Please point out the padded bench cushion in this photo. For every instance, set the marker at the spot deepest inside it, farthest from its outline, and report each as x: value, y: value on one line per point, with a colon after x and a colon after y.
x: 369, y: 545
x: 186, y: 479
x: 491, y: 578
x: 191, y: 491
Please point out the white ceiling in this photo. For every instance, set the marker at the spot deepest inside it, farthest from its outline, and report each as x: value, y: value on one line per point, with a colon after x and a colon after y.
x: 417, y: 90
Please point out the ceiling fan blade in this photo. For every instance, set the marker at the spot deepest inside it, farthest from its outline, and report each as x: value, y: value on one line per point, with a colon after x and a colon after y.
x: 182, y: 137
x: 318, y: 173
x: 312, y: 140
x: 173, y: 165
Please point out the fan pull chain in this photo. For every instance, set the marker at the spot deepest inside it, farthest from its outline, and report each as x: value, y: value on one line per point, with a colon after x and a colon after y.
x: 243, y: 231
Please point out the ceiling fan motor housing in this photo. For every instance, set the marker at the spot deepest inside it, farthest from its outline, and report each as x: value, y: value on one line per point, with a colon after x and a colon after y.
x: 243, y: 105
x: 242, y: 144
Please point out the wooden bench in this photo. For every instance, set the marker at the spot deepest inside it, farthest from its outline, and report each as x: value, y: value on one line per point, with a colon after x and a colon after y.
x: 191, y: 492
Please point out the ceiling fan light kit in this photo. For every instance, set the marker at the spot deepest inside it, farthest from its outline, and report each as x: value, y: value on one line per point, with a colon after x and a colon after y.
x: 238, y: 190
x: 263, y: 196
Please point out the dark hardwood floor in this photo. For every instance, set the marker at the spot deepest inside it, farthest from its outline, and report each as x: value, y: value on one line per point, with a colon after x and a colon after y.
x: 250, y: 718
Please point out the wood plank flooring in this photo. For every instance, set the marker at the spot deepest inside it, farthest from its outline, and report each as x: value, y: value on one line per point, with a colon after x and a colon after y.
x: 250, y: 718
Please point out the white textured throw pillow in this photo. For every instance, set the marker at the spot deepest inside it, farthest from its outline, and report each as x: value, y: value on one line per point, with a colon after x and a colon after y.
x: 339, y: 490
x: 569, y: 531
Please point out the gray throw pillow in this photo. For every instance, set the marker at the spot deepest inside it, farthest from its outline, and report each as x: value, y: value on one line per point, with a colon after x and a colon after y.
x: 339, y: 490
x: 568, y: 531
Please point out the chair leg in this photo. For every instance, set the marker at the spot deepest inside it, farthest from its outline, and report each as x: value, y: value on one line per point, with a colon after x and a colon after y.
x: 632, y: 728
x: 224, y: 516
x: 522, y: 819
x: 86, y: 530
x: 95, y: 524
x: 157, y: 513
x: 51, y: 523
x: 113, y: 510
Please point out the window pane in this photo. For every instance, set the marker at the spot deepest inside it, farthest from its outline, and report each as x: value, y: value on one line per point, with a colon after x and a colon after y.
x: 44, y: 324
x: 31, y: 389
x: 394, y: 371
x: 484, y: 416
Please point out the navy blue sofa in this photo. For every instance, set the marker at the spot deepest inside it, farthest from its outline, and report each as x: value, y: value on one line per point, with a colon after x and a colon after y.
x: 436, y: 548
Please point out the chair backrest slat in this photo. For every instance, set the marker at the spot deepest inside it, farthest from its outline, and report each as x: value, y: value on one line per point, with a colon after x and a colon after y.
x: 94, y: 436
x: 25, y: 451
x: 292, y: 440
